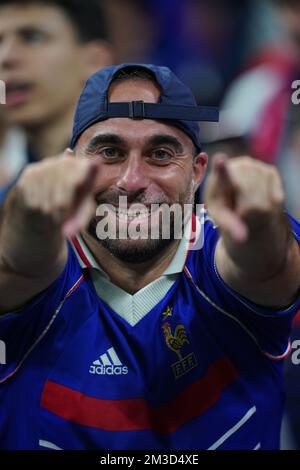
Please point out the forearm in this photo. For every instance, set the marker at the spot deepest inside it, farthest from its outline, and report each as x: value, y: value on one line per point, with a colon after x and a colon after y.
x: 266, y: 267
x: 265, y: 251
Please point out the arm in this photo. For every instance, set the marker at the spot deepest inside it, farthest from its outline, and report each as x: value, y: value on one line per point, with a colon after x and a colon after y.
x: 257, y: 254
x: 51, y: 201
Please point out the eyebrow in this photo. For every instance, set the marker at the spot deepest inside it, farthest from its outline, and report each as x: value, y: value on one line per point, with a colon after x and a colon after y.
x: 103, y: 139
x: 153, y: 141
x: 165, y: 139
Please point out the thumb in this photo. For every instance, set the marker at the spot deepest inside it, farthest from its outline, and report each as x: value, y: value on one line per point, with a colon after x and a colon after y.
x: 221, y: 196
x: 228, y: 221
x: 83, y: 205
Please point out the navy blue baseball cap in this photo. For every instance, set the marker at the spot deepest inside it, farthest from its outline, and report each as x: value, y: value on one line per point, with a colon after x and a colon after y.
x: 177, y: 103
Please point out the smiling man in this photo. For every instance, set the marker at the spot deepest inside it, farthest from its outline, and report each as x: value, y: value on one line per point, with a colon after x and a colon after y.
x: 135, y: 343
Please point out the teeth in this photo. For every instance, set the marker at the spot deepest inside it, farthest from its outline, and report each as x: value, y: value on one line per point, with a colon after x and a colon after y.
x: 136, y: 214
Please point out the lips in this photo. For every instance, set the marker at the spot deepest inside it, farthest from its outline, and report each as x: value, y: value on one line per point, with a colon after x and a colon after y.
x: 17, y: 93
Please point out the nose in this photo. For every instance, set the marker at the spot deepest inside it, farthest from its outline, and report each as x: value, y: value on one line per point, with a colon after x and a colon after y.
x: 133, y: 178
x: 10, y: 53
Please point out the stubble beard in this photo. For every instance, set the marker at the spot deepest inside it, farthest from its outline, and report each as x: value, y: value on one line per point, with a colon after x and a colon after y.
x: 143, y: 250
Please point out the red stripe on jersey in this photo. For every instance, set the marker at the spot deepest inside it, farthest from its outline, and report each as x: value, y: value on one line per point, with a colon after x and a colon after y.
x: 139, y: 414
x: 73, y: 289
x: 193, y: 230
x: 81, y: 252
x: 192, y: 236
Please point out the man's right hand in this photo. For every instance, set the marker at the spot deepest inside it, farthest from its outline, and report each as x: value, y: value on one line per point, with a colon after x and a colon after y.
x: 59, y: 192
x: 52, y: 200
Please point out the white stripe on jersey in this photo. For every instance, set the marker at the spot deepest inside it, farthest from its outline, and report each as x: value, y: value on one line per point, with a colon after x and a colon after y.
x: 48, y: 445
x: 232, y: 430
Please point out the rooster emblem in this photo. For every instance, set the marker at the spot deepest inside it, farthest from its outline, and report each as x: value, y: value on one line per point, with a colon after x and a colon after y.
x: 175, y: 342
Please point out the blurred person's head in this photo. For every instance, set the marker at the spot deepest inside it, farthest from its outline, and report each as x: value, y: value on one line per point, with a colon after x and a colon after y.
x: 129, y: 20
x: 48, y: 48
x: 289, y: 12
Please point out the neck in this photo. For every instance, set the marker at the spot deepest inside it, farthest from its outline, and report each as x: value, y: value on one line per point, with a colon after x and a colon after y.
x: 50, y: 138
x: 130, y: 277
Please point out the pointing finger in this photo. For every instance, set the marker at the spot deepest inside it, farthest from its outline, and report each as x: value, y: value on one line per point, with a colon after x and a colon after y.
x: 220, y: 167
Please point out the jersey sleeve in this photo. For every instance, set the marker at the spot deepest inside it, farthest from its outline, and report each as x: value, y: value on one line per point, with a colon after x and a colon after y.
x: 269, y: 328
x: 22, y: 330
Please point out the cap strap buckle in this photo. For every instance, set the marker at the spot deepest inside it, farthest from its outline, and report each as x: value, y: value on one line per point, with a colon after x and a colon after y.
x: 136, y: 109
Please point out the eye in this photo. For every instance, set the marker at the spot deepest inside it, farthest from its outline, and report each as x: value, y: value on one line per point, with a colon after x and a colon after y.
x: 34, y: 37
x: 161, y: 155
x: 110, y: 153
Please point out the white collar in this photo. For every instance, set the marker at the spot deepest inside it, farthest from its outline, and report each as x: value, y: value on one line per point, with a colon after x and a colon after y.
x: 134, y: 307
x: 87, y: 260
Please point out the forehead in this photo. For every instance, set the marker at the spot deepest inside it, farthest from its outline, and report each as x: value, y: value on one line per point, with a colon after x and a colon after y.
x: 134, y: 130
x: 48, y: 17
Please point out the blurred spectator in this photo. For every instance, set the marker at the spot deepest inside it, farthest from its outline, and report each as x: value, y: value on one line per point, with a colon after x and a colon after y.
x: 258, y: 111
x: 47, y: 51
x: 133, y: 28
x: 13, y: 155
x: 258, y: 108
x: 203, y: 41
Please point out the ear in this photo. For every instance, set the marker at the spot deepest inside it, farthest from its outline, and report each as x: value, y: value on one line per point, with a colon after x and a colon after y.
x: 199, y: 169
x: 94, y: 56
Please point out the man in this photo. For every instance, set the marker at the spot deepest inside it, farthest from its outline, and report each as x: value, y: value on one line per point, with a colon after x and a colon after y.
x: 48, y: 49
x: 141, y: 343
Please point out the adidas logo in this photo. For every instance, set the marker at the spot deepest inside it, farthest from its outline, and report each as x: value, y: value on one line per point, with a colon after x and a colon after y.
x: 108, y: 364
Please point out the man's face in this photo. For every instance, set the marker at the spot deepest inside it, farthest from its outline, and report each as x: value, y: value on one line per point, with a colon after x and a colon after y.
x: 146, y: 161
x: 39, y: 61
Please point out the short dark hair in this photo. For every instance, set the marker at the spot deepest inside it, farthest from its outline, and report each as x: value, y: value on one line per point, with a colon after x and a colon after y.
x: 134, y: 72
x: 88, y: 17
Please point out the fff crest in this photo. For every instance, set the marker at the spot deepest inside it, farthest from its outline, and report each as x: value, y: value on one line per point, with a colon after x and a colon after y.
x: 176, y: 341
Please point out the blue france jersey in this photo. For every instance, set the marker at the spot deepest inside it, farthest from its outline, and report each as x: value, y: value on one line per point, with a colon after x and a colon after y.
x: 202, y: 370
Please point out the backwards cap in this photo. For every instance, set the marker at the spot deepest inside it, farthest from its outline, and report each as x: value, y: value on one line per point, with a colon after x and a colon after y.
x: 177, y: 103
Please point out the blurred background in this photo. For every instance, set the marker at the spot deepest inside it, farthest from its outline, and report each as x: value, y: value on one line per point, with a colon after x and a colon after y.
x: 242, y: 56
